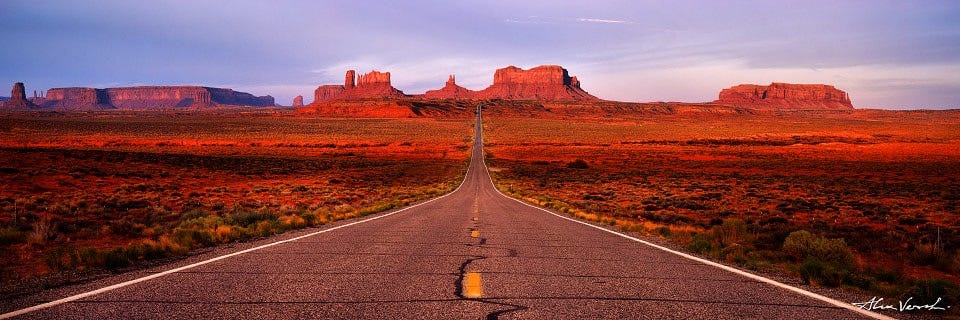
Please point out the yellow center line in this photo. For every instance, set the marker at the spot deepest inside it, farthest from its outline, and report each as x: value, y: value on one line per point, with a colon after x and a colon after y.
x: 472, y: 286
x: 476, y: 218
x: 474, y: 233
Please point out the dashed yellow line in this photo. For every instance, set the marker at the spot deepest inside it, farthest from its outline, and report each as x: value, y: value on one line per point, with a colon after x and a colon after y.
x: 472, y: 286
x: 476, y: 218
x: 474, y: 233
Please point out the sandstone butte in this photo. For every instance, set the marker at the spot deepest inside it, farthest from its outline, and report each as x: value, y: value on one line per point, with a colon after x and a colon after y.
x: 785, y: 96
x: 373, y: 85
x: 18, y: 99
x: 450, y: 90
x: 298, y: 101
x: 548, y: 83
x: 147, y: 97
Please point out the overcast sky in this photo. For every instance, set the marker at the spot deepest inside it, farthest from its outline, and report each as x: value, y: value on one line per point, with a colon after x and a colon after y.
x: 885, y: 54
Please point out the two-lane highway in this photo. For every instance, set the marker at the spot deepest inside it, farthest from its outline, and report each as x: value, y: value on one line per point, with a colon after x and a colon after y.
x: 473, y: 253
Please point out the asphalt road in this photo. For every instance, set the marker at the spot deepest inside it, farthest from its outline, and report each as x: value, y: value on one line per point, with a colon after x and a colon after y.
x: 474, y: 253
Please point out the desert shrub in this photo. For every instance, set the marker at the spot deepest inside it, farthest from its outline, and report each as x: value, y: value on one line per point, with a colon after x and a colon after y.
x: 814, y: 270
x: 150, y: 249
x: 127, y: 228
x: 803, y: 244
x: 664, y: 231
x: 380, y: 207
x: 825, y: 261
x: 246, y: 217
x: 578, y: 164
x: 935, y: 256
x: 60, y: 258
x: 292, y: 222
x: 927, y: 291
x: 11, y: 235
x: 700, y: 244
x: 43, y: 229
x: 194, y: 213
x: 732, y: 231
x: 193, y: 238
x: 120, y: 257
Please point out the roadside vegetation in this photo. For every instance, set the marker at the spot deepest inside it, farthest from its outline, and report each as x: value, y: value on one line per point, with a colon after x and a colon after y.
x: 82, y: 194
x: 832, y: 200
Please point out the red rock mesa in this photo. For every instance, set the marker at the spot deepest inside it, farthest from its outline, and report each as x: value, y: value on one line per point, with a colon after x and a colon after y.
x: 551, y: 83
x: 786, y: 96
x: 298, y: 101
x: 149, y: 97
x: 373, y: 85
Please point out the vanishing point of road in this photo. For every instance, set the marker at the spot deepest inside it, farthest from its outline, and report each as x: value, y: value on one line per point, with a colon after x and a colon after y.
x: 473, y: 253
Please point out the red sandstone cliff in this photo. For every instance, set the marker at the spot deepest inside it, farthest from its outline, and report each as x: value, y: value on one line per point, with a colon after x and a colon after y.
x: 298, y: 101
x: 18, y: 98
x: 786, y: 96
x: 546, y: 83
x: 372, y: 85
x: 550, y: 83
x: 77, y: 99
x: 450, y: 91
x: 149, y: 97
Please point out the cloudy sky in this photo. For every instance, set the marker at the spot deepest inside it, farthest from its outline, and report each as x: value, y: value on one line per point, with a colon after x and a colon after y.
x: 885, y: 54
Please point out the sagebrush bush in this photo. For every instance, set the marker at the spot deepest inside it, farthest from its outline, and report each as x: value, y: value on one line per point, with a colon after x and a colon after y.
x: 578, y: 164
x: 930, y: 289
x: 732, y: 231
x: 803, y: 244
x: 11, y: 235
x: 824, y: 261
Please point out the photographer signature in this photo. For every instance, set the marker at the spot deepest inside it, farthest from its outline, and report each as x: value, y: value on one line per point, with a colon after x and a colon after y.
x: 877, y: 304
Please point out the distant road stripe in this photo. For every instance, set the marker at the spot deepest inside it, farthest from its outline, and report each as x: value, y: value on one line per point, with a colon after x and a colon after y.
x: 472, y: 285
x: 194, y: 265
x: 474, y: 233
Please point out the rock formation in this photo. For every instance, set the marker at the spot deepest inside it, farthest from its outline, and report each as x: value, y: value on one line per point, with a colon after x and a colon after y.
x: 298, y: 101
x: 349, y: 81
x: 551, y: 83
x: 373, y: 85
x: 544, y: 83
x: 149, y: 97
x: 786, y: 96
x: 77, y: 99
x: 327, y: 92
x: 18, y: 98
x: 450, y: 91
x: 38, y: 99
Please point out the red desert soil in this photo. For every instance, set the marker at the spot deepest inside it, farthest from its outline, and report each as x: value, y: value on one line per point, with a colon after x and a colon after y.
x: 887, y: 183
x: 108, y: 190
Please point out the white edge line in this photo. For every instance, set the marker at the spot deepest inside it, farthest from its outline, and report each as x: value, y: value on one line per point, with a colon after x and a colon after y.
x: 848, y: 306
x: 194, y: 265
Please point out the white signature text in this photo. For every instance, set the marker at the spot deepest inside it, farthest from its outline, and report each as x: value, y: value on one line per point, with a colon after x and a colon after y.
x: 877, y: 304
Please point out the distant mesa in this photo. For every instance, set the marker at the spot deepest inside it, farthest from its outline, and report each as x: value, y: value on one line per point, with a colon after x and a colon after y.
x: 450, y: 91
x: 18, y: 99
x: 778, y: 96
x: 149, y: 97
x: 548, y: 83
x: 543, y: 83
x: 298, y: 101
x: 373, y: 85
